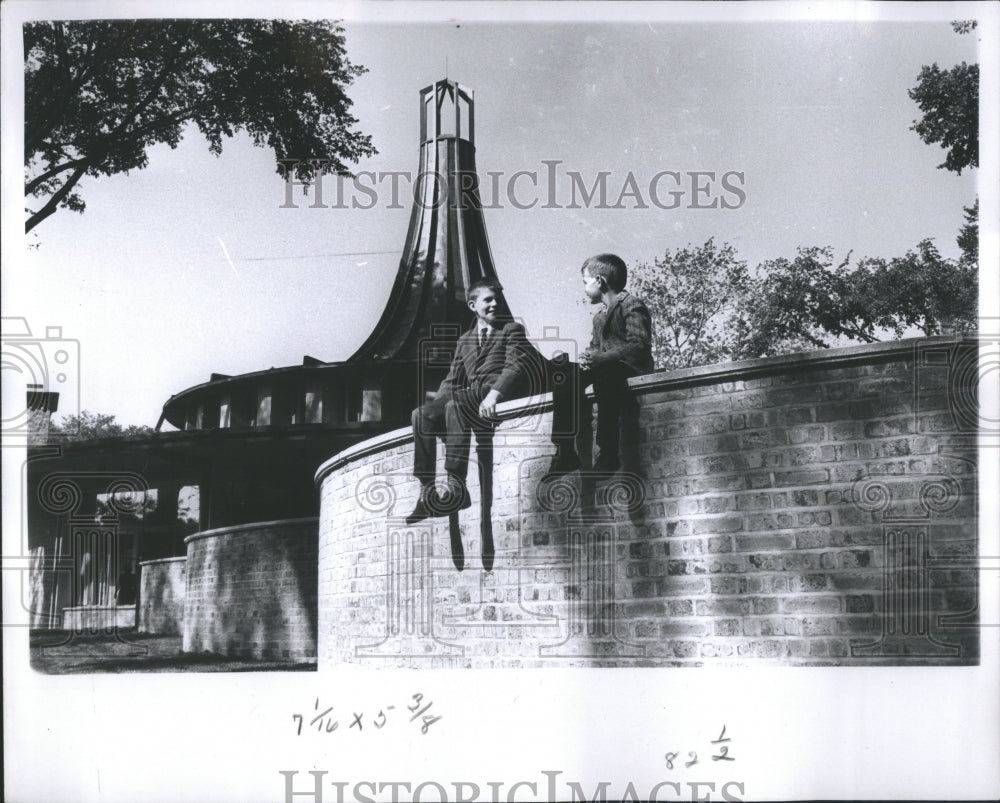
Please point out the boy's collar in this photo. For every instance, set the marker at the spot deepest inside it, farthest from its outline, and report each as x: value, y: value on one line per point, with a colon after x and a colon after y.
x: 618, y: 297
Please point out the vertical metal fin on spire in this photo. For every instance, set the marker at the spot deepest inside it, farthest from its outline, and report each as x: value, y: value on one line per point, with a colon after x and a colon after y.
x: 446, y: 245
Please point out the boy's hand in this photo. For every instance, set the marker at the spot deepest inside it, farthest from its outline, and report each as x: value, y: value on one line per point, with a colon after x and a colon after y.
x: 586, y: 359
x: 488, y: 406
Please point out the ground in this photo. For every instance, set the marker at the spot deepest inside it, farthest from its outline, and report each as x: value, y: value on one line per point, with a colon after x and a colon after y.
x: 58, y: 652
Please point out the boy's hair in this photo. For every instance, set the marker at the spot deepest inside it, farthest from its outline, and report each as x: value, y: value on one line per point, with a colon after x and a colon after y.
x: 483, y: 284
x: 609, y: 267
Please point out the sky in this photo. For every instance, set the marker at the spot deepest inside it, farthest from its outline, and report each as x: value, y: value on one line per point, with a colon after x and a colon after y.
x: 192, y: 266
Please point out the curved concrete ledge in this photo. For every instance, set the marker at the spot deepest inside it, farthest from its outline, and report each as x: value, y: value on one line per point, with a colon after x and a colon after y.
x: 781, y: 503
x: 251, y: 591
x: 869, y: 353
x: 246, y: 529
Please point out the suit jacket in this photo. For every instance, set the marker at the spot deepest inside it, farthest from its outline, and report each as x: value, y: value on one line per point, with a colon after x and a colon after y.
x: 502, y: 365
x: 624, y: 333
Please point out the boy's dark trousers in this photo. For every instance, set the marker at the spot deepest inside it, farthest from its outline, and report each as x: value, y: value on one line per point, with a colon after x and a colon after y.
x: 617, y: 412
x: 453, y: 420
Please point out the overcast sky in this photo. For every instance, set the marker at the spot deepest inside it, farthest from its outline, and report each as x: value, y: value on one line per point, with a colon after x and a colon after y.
x: 191, y: 265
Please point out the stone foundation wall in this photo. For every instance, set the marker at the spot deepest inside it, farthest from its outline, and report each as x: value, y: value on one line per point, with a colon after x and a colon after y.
x: 162, y: 587
x: 251, y: 591
x: 812, y: 509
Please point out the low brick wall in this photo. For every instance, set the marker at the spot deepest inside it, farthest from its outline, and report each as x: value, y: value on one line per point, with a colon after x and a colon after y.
x: 251, y: 591
x: 812, y: 509
x: 162, y: 586
x: 92, y: 618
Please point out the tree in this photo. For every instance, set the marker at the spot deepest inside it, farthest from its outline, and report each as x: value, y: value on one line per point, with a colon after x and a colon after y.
x: 925, y: 291
x: 809, y: 303
x: 692, y: 294
x: 949, y: 100
x: 968, y: 236
x: 97, y: 94
x: 88, y: 426
x: 708, y: 308
x: 126, y: 504
x: 787, y: 304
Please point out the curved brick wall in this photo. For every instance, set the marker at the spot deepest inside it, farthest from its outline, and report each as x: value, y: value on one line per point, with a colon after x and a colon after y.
x: 162, y: 585
x: 812, y: 509
x: 251, y: 591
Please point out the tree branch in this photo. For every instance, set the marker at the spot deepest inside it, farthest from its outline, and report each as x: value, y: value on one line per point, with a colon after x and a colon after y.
x: 32, y: 185
x: 99, y: 54
x: 816, y: 341
x: 184, y: 115
x: 143, y: 104
x: 54, y: 201
x: 107, y: 143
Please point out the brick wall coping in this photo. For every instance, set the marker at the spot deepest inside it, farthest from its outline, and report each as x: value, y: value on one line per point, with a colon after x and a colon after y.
x: 818, y: 358
x: 254, y: 525
x: 381, y: 443
x: 666, y: 380
x: 158, y: 561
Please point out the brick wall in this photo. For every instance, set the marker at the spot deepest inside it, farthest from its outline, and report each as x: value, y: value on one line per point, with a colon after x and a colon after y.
x: 96, y: 618
x: 813, y: 509
x: 162, y: 586
x: 251, y: 591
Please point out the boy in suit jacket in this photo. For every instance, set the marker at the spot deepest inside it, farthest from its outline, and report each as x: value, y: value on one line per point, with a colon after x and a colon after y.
x: 490, y: 364
x: 621, y: 346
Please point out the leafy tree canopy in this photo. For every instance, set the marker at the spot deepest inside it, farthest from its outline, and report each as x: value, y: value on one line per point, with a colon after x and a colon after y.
x: 88, y: 426
x: 707, y: 307
x: 949, y: 100
x: 692, y: 294
x: 968, y: 236
x: 99, y: 93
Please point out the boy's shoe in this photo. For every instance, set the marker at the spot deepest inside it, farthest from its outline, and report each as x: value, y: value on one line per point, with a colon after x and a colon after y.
x: 488, y: 550
x: 457, y: 550
x: 425, y: 508
x: 455, y: 498
x: 563, y: 463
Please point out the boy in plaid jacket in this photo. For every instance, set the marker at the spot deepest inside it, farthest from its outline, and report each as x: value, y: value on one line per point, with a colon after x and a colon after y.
x: 621, y: 347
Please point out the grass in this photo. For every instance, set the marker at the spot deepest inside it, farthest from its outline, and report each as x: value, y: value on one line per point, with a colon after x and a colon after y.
x: 62, y: 652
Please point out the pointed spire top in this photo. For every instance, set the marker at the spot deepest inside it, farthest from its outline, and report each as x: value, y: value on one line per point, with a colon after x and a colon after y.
x: 447, y: 109
x: 446, y: 247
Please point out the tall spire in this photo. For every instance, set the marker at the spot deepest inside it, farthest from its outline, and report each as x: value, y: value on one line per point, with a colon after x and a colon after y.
x: 446, y: 245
